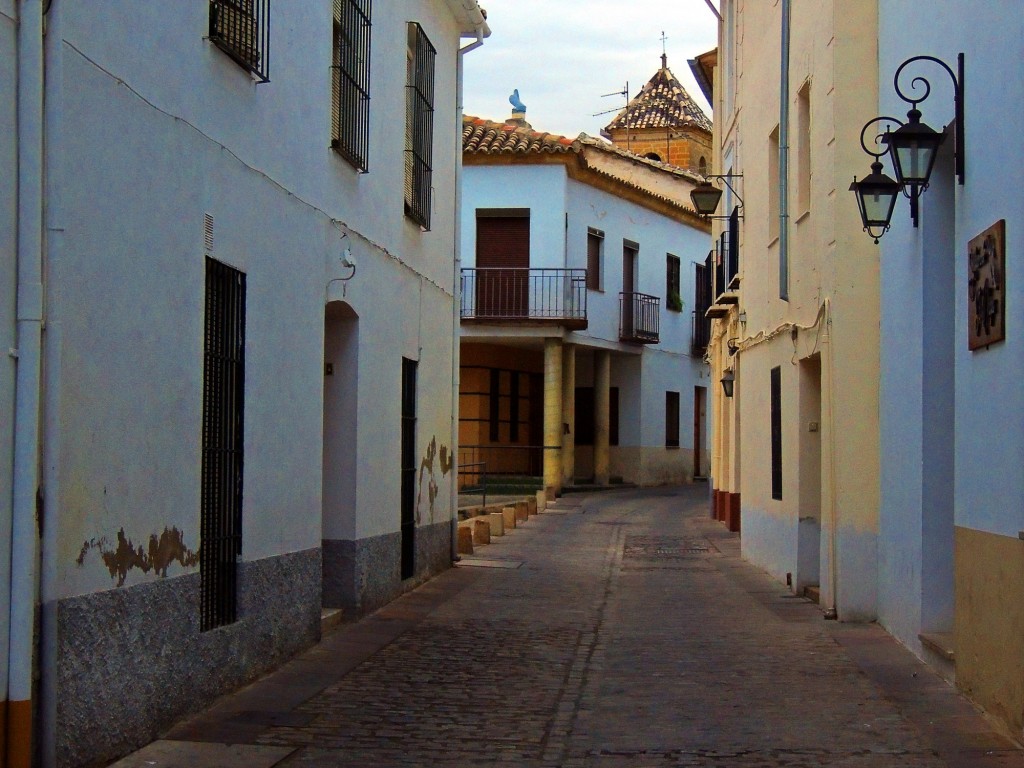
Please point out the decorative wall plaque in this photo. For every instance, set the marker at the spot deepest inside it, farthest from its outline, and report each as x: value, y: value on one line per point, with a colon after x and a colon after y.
x: 986, y: 287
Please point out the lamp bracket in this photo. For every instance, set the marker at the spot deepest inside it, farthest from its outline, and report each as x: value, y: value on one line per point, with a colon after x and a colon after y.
x: 725, y: 178
x: 958, y: 100
x: 878, y: 136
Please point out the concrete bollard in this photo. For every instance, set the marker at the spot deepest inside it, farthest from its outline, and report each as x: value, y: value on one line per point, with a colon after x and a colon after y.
x: 497, y: 522
x: 542, y: 501
x: 531, y: 506
x: 481, y: 531
x: 465, y: 540
x: 522, y: 512
x: 509, y: 515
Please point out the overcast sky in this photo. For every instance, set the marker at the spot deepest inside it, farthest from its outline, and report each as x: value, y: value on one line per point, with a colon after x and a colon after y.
x: 563, y: 55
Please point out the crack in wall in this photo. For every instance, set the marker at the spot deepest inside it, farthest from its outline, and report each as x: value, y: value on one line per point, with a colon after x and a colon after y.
x: 163, y: 550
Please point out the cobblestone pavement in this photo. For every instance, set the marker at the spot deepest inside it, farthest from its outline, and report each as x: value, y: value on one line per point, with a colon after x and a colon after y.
x: 620, y: 630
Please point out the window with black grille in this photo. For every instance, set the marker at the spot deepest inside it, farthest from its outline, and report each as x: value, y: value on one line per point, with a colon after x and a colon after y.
x: 701, y: 333
x: 776, y: 406
x: 671, y: 419
x: 222, y: 460
x: 350, y: 102
x: 673, y: 298
x: 595, y: 259
x: 241, y: 28
x: 419, y: 125
x: 408, y: 459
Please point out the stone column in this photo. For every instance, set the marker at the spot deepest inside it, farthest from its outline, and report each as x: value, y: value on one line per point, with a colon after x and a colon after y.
x: 602, y: 414
x: 552, y: 417
x: 568, y: 414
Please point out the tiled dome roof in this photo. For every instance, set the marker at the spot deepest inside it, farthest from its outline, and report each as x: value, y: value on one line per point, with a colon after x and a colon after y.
x: 662, y: 103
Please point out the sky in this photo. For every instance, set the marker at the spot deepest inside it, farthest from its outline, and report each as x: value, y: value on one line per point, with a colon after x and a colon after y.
x: 563, y: 55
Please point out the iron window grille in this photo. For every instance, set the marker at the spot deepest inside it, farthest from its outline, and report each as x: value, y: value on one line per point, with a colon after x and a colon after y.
x: 222, y: 439
x: 419, y: 125
x: 673, y: 298
x: 350, y: 74
x: 776, y: 431
x: 241, y: 28
x: 408, y: 459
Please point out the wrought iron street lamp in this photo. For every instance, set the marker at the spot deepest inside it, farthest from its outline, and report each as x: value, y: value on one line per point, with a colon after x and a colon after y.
x: 728, y: 380
x: 913, y: 147
x: 705, y: 196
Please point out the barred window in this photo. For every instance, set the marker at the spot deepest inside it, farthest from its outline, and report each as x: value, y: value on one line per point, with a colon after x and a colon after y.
x: 673, y: 298
x: 220, y: 515
x: 350, y: 75
x: 419, y: 125
x: 241, y: 28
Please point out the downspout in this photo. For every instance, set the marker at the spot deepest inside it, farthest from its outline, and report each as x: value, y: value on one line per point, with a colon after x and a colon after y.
x: 24, y: 534
x: 457, y: 292
x: 784, y: 157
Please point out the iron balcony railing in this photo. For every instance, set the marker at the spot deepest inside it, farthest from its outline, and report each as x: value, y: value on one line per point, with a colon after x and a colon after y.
x: 509, y: 468
x: 519, y: 295
x: 639, y: 315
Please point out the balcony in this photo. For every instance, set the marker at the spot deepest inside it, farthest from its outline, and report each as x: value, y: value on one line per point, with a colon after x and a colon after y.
x: 639, y: 316
x: 525, y: 296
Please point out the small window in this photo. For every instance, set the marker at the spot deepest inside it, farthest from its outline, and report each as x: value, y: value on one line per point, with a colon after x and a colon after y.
x: 241, y: 28
x: 350, y: 74
x: 671, y: 419
x: 673, y: 300
x: 653, y: 156
x: 803, y: 142
x: 595, y: 259
x: 419, y: 125
x: 773, y: 184
x: 776, y: 426
x: 702, y: 166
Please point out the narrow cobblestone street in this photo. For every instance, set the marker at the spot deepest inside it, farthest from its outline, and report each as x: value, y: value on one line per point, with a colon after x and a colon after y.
x: 616, y: 630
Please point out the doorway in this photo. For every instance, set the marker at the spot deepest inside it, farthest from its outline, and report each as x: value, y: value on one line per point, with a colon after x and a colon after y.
x: 808, y: 566
x: 408, y: 502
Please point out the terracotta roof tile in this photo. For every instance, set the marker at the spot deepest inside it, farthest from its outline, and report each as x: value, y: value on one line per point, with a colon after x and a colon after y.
x: 488, y: 138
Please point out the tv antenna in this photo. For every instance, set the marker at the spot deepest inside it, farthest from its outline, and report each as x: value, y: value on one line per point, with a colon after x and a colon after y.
x: 624, y: 93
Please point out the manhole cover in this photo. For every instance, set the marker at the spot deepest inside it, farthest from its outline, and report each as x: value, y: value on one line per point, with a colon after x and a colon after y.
x: 665, y: 547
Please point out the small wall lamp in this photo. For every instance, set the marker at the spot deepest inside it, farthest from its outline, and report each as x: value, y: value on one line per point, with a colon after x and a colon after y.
x: 705, y: 196
x: 913, y: 148
x: 728, y: 380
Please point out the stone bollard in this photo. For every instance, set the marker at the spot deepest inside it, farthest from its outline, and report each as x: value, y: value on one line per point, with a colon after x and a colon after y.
x: 542, y: 501
x: 465, y: 540
x: 551, y: 493
x: 497, y: 522
x: 531, y: 506
x: 522, y: 512
x: 509, y: 515
x: 481, y: 531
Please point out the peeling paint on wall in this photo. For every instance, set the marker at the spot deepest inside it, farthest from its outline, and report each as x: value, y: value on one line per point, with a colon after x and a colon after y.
x: 168, y: 548
x: 427, y: 470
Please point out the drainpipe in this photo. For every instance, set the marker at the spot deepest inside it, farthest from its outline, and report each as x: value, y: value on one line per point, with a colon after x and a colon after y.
x: 457, y: 289
x: 784, y: 157
x: 24, y: 534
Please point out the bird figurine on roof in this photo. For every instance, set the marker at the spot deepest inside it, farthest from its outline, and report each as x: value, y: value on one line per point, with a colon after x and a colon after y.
x: 517, y: 105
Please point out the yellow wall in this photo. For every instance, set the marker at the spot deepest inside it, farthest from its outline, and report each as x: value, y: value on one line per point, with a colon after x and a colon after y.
x: 989, y: 628
x: 833, y: 305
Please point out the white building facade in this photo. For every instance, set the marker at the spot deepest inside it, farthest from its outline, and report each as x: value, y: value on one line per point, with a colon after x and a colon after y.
x: 237, y: 271
x: 578, y: 360
x: 952, y: 494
